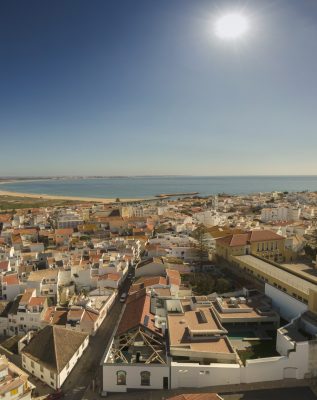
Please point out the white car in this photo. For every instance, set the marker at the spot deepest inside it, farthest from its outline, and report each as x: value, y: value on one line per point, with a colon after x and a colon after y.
x: 123, y: 297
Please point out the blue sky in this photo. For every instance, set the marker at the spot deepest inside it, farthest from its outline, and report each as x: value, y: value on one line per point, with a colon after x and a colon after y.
x: 144, y: 87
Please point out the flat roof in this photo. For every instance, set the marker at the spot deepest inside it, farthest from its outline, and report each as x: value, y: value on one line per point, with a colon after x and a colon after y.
x: 305, y: 271
x: 278, y: 273
x: 200, y: 320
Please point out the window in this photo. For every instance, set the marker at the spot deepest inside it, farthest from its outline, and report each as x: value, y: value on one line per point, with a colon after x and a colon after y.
x: 52, y: 375
x: 204, y: 372
x: 41, y: 368
x: 145, y: 378
x: 121, y: 378
x: 32, y: 364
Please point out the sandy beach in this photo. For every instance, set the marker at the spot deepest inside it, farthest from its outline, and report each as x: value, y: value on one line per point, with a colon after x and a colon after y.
x: 56, y: 197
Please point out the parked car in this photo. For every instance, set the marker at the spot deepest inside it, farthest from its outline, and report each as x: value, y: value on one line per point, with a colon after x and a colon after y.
x: 123, y: 297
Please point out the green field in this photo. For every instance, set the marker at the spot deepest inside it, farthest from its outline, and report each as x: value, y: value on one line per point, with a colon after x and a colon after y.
x: 8, y: 203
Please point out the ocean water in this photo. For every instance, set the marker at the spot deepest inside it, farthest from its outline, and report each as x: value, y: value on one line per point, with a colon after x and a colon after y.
x: 145, y: 187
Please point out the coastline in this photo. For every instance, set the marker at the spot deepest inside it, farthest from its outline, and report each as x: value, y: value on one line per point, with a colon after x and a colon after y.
x: 72, y: 198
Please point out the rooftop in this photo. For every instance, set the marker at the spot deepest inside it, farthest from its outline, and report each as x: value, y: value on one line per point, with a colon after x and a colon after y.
x: 54, y: 346
x: 242, y: 239
x: 276, y: 272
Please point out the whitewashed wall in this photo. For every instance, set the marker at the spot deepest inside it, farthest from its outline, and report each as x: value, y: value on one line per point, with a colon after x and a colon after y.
x: 285, y: 305
x: 44, y: 376
x: 73, y: 361
x: 133, y: 377
x: 56, y: 380
x: 195, y: 375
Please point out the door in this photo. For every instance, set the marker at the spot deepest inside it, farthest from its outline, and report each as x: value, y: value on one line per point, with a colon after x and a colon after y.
x: 165, y: 382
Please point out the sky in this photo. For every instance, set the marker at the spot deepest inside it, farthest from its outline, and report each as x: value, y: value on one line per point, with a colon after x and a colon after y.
x: 121, y: 87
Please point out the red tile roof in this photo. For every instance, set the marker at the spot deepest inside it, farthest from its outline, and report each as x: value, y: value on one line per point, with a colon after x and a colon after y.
x: 4, y: 265
x: 37, y: 301
x: 25, y: 231
x: 242, y: 239
x: 64, y: 232
x: 137, y: 312
x: 153, y: 280
x: 111, y: 277
x: 261, y: 236
x: 11, y: 279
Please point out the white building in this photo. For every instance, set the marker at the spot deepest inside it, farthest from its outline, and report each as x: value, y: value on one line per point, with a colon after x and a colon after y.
x: 87, y: 312
x: 200, y: 351
x: 52, y: 353
x: 44, y: 281
x: 208, y: 218
x: 280, y: 214
x: 136, y: 356
x: 14, y: 384
x: 26, y: 312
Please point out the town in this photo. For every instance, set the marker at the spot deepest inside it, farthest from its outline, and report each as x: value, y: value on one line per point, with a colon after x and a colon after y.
x: 168, y: 294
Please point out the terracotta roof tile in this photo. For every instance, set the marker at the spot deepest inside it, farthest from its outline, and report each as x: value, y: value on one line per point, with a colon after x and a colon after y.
x: 137, y: 312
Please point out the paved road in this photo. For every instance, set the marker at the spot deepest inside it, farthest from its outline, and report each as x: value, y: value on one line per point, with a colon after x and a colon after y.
x: 88, y: 367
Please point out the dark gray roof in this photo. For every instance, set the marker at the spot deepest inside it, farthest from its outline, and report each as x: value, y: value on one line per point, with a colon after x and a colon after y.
x: 54, y: 346
x: 5, y: 307
x: 15, y: 305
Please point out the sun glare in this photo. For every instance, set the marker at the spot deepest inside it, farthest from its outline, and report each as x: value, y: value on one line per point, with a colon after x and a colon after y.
x: 231, y: 26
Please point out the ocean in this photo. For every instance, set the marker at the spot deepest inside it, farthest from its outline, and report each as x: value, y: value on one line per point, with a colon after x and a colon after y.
x: 146, y: 186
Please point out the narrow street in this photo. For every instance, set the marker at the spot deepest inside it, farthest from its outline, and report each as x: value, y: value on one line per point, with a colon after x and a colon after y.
x: 88, y: 367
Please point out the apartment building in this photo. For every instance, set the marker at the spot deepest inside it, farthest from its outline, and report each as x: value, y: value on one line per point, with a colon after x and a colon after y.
x: 45, y: 281
x: 26, y: 312
x: 280, y: 214
x: 10, y: 286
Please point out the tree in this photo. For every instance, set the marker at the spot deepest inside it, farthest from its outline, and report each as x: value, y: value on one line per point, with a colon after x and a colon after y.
x: 310, y: 251
x: 199, y: 235
x: 222, y: 285
x: 118, y: 200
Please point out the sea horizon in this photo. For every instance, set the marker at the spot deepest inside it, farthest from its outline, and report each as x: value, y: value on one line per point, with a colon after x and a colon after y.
x: 149, y: 186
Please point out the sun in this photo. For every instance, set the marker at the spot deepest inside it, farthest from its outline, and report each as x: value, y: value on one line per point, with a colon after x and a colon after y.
x: 231, y: 26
